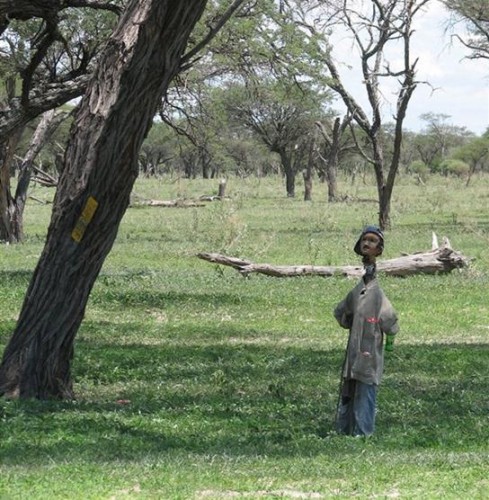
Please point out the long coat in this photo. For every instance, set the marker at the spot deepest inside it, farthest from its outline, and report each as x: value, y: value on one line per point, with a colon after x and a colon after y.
x: 368, y: 314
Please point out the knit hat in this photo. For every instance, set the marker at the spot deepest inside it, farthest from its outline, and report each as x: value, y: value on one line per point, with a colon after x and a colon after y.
x: 369, y: 229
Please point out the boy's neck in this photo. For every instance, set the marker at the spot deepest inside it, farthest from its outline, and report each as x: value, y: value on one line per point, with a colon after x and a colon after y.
x: 370, y: 267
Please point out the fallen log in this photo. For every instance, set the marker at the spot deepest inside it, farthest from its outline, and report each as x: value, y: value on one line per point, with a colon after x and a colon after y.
x: 169, y: 203
x: 213, y: 198
x: 442, y: 259
x: 182, y: 202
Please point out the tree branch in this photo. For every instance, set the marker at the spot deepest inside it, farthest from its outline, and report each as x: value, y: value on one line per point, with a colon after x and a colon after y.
x: 185, y: 61
x: 41, y: 99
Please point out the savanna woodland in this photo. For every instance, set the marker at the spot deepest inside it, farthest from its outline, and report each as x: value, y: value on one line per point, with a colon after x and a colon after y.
x: 137, y: 136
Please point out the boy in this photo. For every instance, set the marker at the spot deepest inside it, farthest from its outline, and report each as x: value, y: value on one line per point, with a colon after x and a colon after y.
x: 368, y: 314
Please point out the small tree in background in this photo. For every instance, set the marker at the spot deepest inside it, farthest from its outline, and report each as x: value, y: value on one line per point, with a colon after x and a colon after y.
x: 456, y: 168
x: 475, y: 154
x: 420, y: 169
x: 283, y: 117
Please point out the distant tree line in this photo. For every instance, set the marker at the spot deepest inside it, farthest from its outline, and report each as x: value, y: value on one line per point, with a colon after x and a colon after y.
x: 234, y: 150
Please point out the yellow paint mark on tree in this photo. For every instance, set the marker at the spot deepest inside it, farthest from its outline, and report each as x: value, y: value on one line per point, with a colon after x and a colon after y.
x: 85, y: 218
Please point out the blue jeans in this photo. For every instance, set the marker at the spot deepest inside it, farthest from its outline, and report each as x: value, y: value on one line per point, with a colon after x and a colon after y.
x: 356, y: 409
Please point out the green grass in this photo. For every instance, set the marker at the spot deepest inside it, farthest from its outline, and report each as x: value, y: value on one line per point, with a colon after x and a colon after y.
x: 193, y: 382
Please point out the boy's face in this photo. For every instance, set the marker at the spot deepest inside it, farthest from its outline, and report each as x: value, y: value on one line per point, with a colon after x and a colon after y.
x: 370, y: 245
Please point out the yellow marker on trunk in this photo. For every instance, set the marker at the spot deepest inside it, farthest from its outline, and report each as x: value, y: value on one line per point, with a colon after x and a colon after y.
x: 85, y: 218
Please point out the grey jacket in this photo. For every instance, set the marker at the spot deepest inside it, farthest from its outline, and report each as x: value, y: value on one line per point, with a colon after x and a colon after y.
x: 368, y: 314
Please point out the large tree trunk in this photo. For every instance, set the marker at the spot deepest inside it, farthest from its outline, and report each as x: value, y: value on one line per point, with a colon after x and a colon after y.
x: 141, y: 58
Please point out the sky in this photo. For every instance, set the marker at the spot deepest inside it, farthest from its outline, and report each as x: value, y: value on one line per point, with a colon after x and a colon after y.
x: 457, y: 87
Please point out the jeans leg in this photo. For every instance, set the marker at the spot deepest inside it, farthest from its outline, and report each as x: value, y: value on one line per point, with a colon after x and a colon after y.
x: 364, y: 408
x: 345, y: 418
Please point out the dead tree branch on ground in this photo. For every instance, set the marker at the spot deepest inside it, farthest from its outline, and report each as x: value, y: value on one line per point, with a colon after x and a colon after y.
x: 440, y: 259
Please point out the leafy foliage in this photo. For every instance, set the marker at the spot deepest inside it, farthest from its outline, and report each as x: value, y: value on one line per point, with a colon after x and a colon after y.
x: 458, y: 168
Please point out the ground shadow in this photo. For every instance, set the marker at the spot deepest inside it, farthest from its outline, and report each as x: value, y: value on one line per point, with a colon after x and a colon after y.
x: 244, y: 399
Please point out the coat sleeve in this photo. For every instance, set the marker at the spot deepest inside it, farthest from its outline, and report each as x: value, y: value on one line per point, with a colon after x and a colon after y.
x: 343, y: 312
x: 388, y: 318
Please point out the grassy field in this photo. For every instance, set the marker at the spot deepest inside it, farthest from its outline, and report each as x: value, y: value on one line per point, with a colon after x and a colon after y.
x: 193, y: 382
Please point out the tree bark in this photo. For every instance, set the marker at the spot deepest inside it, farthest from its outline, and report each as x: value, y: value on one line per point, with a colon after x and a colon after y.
x: 332, y: 161
x: 7, y: 203
x: 141, y: 58
x: 16, y: 117
x: 48, y: 10
x: 289, y: 173
x: 307, y: 173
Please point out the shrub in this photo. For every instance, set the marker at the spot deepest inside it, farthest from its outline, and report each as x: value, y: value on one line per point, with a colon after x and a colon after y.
x: 456, y: 168
x: 420, y: 169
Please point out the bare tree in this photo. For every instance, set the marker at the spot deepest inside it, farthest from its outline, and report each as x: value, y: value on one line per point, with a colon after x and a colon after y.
x: 374, y: 26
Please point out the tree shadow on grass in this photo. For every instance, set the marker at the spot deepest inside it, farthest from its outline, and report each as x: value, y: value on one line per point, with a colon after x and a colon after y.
x: 16, y: 276
x: 139, y: 401
x: 112, y: 290
x: 163, y: 299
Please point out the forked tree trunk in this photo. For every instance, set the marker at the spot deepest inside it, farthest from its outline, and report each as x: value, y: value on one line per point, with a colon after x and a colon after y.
x: 331, y: 156
x: 139, y: 61
x: 13, y: 224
